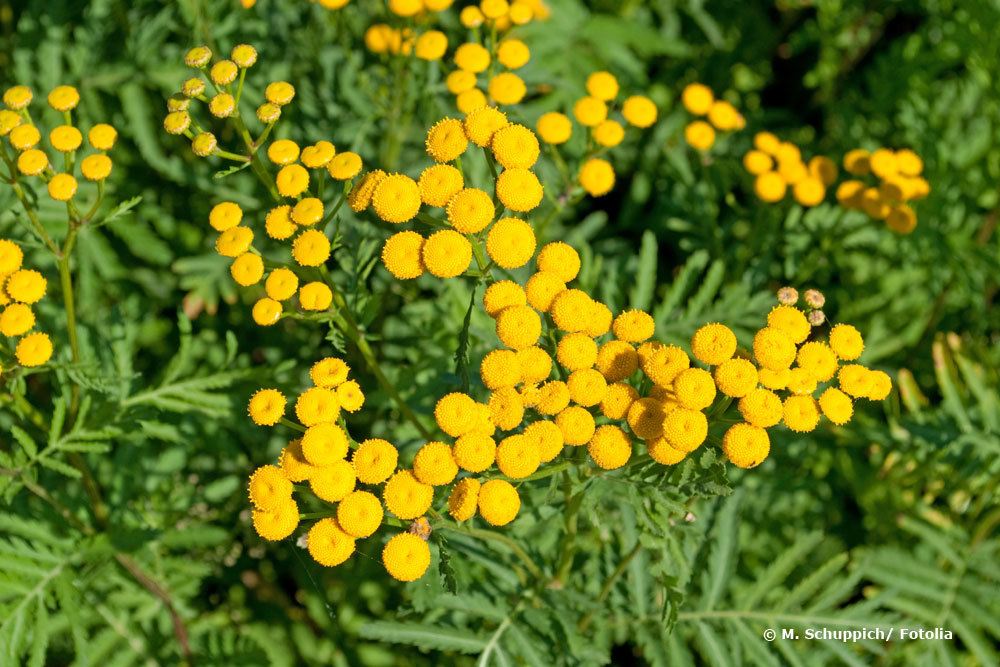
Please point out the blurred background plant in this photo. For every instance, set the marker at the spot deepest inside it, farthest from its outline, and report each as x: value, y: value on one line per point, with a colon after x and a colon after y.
x: 890, y: 520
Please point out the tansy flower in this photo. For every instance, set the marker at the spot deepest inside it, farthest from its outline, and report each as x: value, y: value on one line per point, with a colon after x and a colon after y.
x: 222, y: 105
x: 269, y: 487
x: 396, y: 198
x: 662, y: 363
x: 454, y: 414
x: 639, y: 111
x: 64, y: 98
x: 757, y: 162
x: 225, y: 215
x: 32, y: 162
x: 318, y: 155
x: 292, y: 180
x: 770, y: 187
x: 474, y: 452
x: 694, y: 388
x: 11, y: 257
x: 513, y: 53
x: 481, y: 124
x: 315, y: 296
x: 761, y: 407
x: 518, y: 327
x: 293, y: 464
x: 193, y: 87
x: 243, y: 55
x: 279, y: 93
x: 609, y: 447
x: 471, y: 17
x: 460, y: 81
x: 24, y: 137
x: 247, y: 269
x: 26, y: 286
x: 506, y: 408
x: 597, y: 177
x: 283, y: 152
x: 359, y: 514
x: 311, y: 248
x: 332, y: 483
x: 446, y: 140
x: 685, y: 429
x: 223, y: 72
x: 438, y: 183
x: 463, y: 499
x: 344, y: 166
x: 177, y: 122
x: 587, y: 387
x: 645, y: 418
x: 16, y: 320
x: 801, y: 382
x: 510, y: 243
x: 590, y: 111
x: 791, y: 321
x: 316, y: 405
x: 277, y: 523
x: 33, y: 350
x: 554, y: 128
x: 880, y: 385
x: 470, y: 100
x: 266, y: 311
x: 507, y: 88
x: 547, y: 439
x: 470, y: 210
x: 713, y: 344
x: 266, y: 407
x: 809, y: 192
x: 800, y: 414
x: 535, y: 364
x: 553, y: 397
x: 609, y: 133
x: 745, y: 445
x: 472, y: 57
x: 699, y: 135
x: 617, y: 400
x: 500, y: 368
x: 281, y: 284
x: 725, y: 117
x: 434, y: 464
x: 406, y: 557
x: 542, y: 288
x: 198, y: 57
x: 697, y: 98
x: 616, y: 360
x: 402, y: 255
x: 62, y: 187
x: 374, y: 460
x: 324, y: 444
x: 328, y: 544
x: 517, y: 457
x: 736, y: 377
x: 405, y: 496
x: 836, y: 405
x: 633, y: 326
x: 329, y: 372
x: 498, y: 502
x: 17, y: 97
x: 818, y: 360
x: 431, y: 45
x: 576, y: 351
x: 515, y: 146
x: 773, y: 348
x: 663, y: 453
x: 571, y: 310
x: 447, y: 254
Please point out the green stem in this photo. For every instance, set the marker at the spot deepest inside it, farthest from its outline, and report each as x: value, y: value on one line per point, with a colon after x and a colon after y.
x: 500, y: 538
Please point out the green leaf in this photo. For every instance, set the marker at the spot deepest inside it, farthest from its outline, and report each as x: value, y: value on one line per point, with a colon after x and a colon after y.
x: 424, y: 636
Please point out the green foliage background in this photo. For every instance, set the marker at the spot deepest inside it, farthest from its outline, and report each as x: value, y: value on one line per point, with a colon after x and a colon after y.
x: 891, y: 521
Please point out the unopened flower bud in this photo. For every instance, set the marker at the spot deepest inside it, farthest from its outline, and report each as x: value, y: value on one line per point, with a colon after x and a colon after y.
x: 814, y: 298
x: 816, y: 318
x: 788, y: 296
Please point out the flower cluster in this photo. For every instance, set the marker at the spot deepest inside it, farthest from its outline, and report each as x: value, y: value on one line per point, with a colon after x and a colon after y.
x: 25, y: 138
x: 595, y: 111
x: 899, y: 181
x: 778, y: 165
x: 699, y: 100
x: 20, y: 288
x: 226, y: 78
x: 471, y: 213
x: 320, y: 458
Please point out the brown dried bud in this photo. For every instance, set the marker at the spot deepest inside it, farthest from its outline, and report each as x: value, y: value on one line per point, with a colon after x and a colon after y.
x: 814, y: 298
x: 816, y: 318
x: 421, y: 528
x: 788, y: 296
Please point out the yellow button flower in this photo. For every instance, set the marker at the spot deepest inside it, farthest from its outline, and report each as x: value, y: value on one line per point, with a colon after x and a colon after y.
x: 510, y: 243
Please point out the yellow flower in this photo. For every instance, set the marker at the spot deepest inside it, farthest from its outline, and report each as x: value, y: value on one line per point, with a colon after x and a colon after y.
x: 405, y: 7
x: 350, y: 396
x: 481, y: 124
x: 11, y: 257
x: 507, y: 88
x: 293, y: 465
x: 546, y: 438
x: 494, y: 9
x: 64, y: 98
x: 62, y: 187
x: 857, y: 162
x: 345, y: 166
x: 800, y: 413
x: 757, y: 162
x: 292, y: 180
x: 515, y: 146
x: 725, y: 117
x: 597, y: 177
x: 517, y: 457
x: 222, y: 105
x: 96, y: 167
x: 318, y: 155
x: 454, y: 414
x: 773, y: 379
x: 571, y: 310
x: 234, y: 241
x: 311, y: 248
x: 609, y: 133
x: 223, y: 72
x: 836, y: 405
x: 559, y: 259
x: 438, y: 183
x: 510, y: 243
x: 745, y: 445
x: 332, y: 483
x: 773, y: 348
x: 770, y: 187
x: 406, y: 557
x: 472, y: 57
x: 633, y: 326
x: 662, y: 363
x: 16, y: 320
x: 471, y: 100
x: 278, y: 222
x: 26, y: 286
x: 616, y: 360
x: 513, y: 53
x: 791, y: 321
x: 447, y: 254
x: 307, y: 211
x: 243, y: 55
x: 506, y: 408
x: 324, y: 444
x: 846, y: 342
x: 474, y: 452
x: 278, y: 523
x: 204, y: 144
x: 576, y: 351
x: 283, y: 152
x: 901, y: 219
x: 662, y: 452
x: 470, y: 210
x: 602, y: 85
x: 24, y: 137
x: 471, y: 17
x: 617, y: 400
x: 460, y: 81
x: 434, y: 464
x: 818, y: 360
x: 694, y: 388
x: 908, y: 162
x: 518, y: 327
x: 542, y: 288
x: 699, y: 135
x: 328, y: 544
x: 446, y: 140
x: 500, y: 368
x: 463, y: 499
x: 590, y: 111
x: 685, y: 429
x: 554, y: 128
x: 587, y: 387
x: 247, y: 269
x: 697, y: 98
x: 374, y: 460
x: 809, y: 192
x: 639, y: 111
x: 329, y: 372
x: 266, y: 407
x: 279, y: 93
x: 431, y: 45
x: 736, y: 377
x: 361, y: 194
x: 645, y: 418
x: 610, y: 448
x: 177, y: 122
x: 315, y: 405
x: 266, y: 312
x: 401, y: 255
x: 33, y: 350
x: 713, y: 344
x: 498, y: 502
x: 880, y: 385
x: 359, y: 514
x: 761, y: 407
x: 17, y: 97
x: 269, y: 487
x: 32, y: 162
x: 193, y: 87
x: 407, y: 497
x: 198, y: 57
x: 883, y: 163
x: 396, y: 198
x: 553, y: 397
